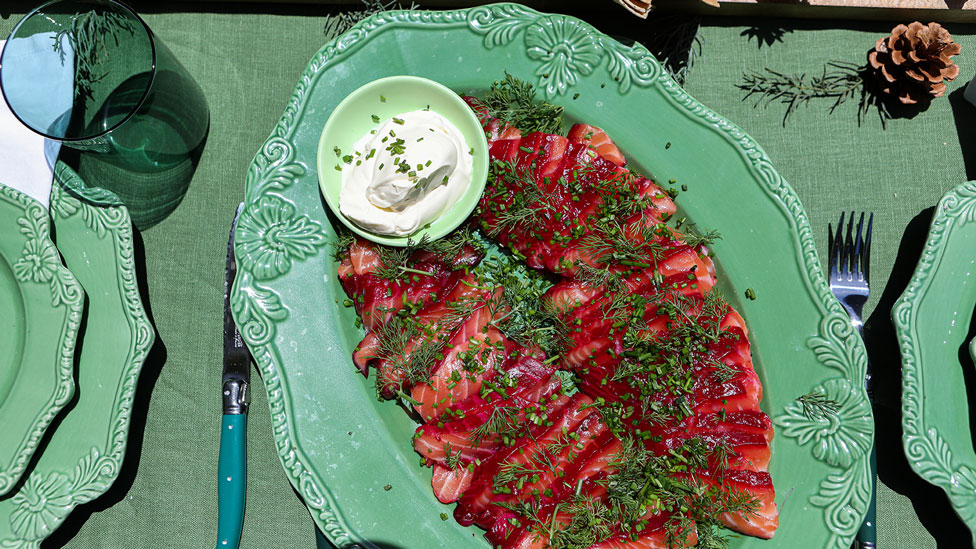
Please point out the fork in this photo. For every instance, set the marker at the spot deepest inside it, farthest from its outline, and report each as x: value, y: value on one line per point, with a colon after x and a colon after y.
x: 849, y: 266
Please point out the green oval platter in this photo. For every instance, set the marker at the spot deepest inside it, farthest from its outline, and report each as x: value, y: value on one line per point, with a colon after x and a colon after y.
x: 934, y: 322
x: 83, y: 456
x: 350, y: 456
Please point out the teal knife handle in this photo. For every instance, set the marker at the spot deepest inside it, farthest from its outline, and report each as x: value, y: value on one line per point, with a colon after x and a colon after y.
x: 231, y: 468
x: 868, y: 534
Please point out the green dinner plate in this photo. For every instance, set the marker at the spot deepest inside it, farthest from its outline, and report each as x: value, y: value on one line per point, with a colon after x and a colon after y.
x: 40, y: 312
x: 350, y: 456
x: 934, y: 322
x: 84, y: 455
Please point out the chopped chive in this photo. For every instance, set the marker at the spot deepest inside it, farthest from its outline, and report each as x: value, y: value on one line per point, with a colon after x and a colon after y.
x: 419, y: 139
x: 382, y: 99
x: 684, y: 188
x: 397, y: 120
x: 750, y: 293
x: 338, y: 168
x: 347, y: 159
x: 338, y: 151
x: 376, y: 119
x: 667, y: 145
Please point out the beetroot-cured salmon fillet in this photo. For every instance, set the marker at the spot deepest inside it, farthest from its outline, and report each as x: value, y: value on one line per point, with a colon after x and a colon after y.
x: 651, y: 436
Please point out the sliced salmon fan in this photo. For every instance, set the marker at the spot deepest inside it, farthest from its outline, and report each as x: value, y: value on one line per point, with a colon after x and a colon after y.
x: 586, y: 388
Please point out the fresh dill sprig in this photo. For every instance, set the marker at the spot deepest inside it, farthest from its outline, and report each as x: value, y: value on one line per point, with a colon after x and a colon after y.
x: 528, y: 201
x: 504, y: 422
x: 697, y: 239
x: 397, y: 261
x: 817, y: 406
x: 410, y: 365
x: 513, y: 101
x: 839, y: 81
x: 89, y: 34
x: 344, y: 239
x: 609, y: 241
x: 453, y: 459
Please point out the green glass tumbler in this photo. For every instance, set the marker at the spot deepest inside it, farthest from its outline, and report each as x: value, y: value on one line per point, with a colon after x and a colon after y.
x: 93, y: 76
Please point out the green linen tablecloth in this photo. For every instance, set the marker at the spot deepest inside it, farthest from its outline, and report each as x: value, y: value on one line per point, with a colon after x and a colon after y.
x: 247, y: 60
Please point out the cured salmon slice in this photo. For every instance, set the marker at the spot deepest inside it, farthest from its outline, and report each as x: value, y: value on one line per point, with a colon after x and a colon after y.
x: 597, y: 139
x: 650, y: 539
x: 449, y: 484
x: 478, y: 434
x: 527, y: 382
x: 470, y: 357
x: 523, y: 457
x: 763, y: 520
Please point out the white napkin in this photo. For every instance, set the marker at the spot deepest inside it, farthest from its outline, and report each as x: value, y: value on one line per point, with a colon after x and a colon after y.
x: 26, y: 158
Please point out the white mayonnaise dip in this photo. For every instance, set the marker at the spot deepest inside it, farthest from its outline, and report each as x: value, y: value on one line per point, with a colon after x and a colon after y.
x: 404, y: 174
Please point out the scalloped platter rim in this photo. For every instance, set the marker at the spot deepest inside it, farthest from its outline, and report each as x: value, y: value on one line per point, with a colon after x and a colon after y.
x: 934, y: 324
x: 350, y: 457
x: 50, y: 304
x: 84, y: 456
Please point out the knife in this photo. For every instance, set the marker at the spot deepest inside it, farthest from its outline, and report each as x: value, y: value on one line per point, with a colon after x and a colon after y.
x: 232, y: 464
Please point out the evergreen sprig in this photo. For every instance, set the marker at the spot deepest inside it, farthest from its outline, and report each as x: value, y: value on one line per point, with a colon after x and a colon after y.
x: 839, y: 81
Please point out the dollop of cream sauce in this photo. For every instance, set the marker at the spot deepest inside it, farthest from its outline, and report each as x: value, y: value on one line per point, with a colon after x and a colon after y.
x: 405, y: 173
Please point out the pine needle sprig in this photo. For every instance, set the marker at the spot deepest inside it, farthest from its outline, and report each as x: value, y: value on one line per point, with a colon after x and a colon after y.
x: 343, y: 19
x: 839, y: 81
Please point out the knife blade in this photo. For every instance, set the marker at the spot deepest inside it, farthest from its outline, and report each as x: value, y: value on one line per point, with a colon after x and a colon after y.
x: 231, y: 463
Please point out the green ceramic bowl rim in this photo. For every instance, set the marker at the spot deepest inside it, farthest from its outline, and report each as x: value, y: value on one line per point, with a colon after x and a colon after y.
x: 330, y: 179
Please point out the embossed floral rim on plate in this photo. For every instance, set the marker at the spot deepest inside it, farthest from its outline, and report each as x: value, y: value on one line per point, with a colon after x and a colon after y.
x: 84, y: 455
x: 39, y: 327
x: 350, y: 456
x: 934, y: 322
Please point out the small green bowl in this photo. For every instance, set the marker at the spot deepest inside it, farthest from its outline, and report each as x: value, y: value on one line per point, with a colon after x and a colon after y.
x: 385, y: 98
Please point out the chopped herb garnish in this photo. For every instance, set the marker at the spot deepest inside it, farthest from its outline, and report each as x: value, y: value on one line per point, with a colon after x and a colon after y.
x: 376, y: 119
x: 383, y: 99
x: 397, y: 120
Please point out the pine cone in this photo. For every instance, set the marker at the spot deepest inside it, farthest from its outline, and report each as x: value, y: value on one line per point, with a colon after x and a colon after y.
x: 914, y: 62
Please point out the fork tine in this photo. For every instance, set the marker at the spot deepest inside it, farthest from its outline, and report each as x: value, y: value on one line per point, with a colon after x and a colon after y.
x: 866, y: 252
x: 857, y: 265
x: 836, y: 246
x: 847, y: 260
